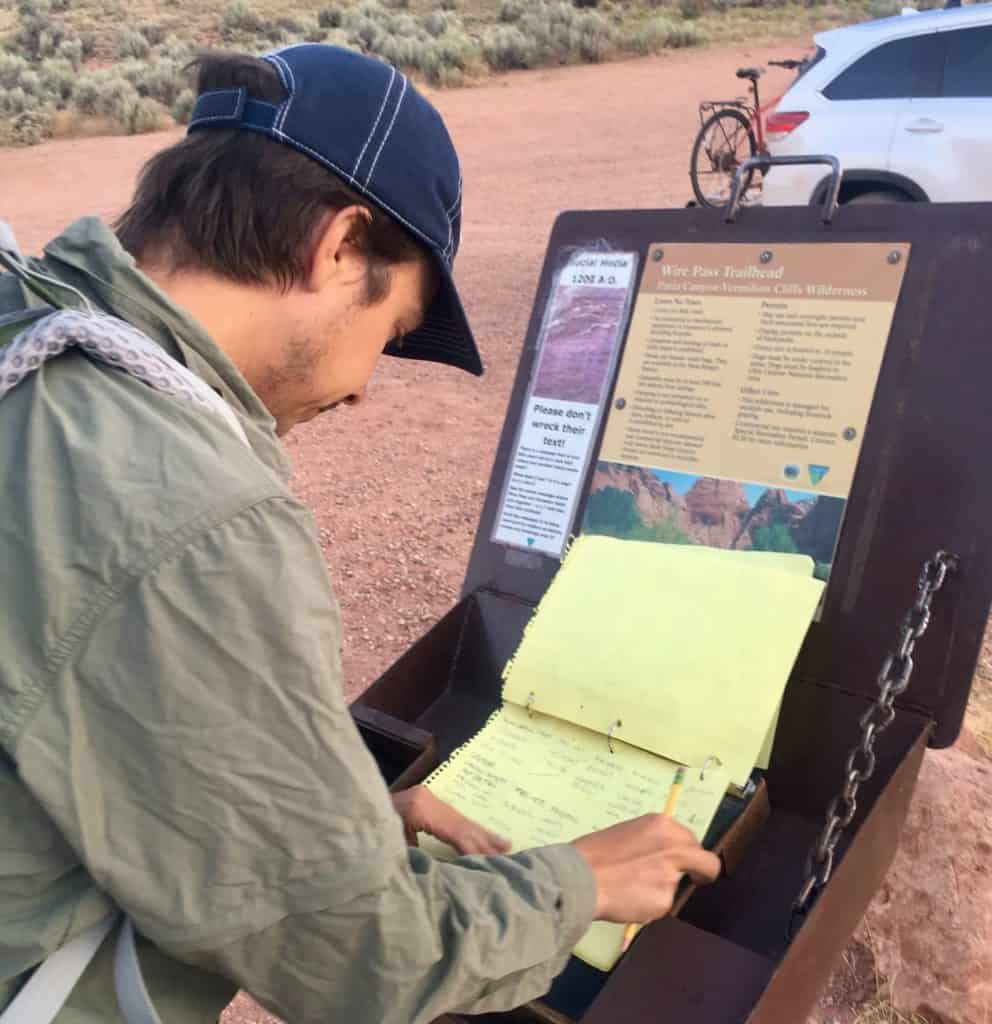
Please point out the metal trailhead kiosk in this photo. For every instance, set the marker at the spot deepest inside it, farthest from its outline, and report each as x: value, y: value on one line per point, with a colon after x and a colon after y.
x: 786, y: 379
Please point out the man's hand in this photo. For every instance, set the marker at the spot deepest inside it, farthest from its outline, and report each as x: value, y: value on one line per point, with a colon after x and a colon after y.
x: 638, y: 865
x: 422, y: 811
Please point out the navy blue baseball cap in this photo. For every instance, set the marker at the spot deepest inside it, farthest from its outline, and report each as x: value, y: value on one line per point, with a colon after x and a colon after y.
x: 363, y: 120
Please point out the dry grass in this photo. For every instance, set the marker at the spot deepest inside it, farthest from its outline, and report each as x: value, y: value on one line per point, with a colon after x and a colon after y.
x: 880, y: 1011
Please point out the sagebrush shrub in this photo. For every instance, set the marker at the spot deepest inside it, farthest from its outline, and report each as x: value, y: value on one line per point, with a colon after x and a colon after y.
x: 506, y: 48
x: 239, y: 17
x: 179, y: 51
x: 330, y: 17
x: 58, y: 79
x: 30, y: 82
x: 684, y: 35
x: 31, y: 126
x: 12, y: 67
x: 129, y: 42
x: 692, y: 9
x: 436, y: 23
x: 182, y: 109
x: 143, y: 115
x: 14, y: 101
x: 104, y: 93
x: 153, y: 31
x: 161, y: 80
x: 650, y: 36
x: 37, y: 35
x: 71, y: 50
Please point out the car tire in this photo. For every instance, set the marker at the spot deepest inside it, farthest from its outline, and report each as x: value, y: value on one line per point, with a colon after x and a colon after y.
x: 866, y: 198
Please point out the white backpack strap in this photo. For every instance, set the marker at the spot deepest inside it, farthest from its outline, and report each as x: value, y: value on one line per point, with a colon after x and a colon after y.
x: 116, y: 343
x: 132, y: 995
x: 46, y: 991
x: 40, y: 1000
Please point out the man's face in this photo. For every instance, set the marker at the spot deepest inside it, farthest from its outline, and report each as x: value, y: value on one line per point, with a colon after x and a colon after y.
x: 335, y: 344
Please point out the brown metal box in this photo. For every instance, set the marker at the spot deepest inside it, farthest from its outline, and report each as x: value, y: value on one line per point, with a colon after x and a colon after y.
x: 922, y: 484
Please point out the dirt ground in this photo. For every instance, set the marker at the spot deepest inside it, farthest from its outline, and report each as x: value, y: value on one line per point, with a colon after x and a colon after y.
x: 397, y: 484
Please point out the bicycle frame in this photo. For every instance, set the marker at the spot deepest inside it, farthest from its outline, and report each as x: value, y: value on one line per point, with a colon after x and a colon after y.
x: 754, y: 110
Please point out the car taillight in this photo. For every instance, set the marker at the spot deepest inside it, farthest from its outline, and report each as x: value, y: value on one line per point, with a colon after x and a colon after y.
x: 782, y: 122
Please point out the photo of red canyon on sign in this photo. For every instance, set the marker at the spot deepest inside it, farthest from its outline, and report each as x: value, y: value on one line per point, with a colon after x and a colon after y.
x: 637, y: 503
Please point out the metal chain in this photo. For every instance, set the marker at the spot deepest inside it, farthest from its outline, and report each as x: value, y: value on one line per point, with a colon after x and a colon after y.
x: 892, y: 681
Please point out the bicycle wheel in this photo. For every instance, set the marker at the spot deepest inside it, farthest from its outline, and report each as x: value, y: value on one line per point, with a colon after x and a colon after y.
x: 724, y: 142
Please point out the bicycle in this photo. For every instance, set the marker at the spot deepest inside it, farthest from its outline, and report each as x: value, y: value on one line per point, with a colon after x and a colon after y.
x: 731, y: 131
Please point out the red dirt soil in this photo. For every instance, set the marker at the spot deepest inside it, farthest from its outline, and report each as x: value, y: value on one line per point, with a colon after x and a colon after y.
x: 396, y: 484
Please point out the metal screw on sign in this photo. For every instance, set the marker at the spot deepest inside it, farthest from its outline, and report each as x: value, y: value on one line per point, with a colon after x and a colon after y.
x: 894, y: 257
x: 658, y: 255
x: 620, y: 403
x: 766, y: 256
x: 892, y: 681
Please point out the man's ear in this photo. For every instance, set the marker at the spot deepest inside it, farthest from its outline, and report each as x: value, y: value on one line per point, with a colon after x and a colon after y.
x: 337, y: 249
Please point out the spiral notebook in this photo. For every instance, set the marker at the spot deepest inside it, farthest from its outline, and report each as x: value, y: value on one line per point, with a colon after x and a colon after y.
x: 640, y: 657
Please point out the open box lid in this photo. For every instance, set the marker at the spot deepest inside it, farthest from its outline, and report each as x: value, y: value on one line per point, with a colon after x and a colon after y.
x: 920, y: 480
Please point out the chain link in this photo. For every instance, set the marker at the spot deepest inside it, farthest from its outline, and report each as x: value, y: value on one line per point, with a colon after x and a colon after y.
x: 897, y: 668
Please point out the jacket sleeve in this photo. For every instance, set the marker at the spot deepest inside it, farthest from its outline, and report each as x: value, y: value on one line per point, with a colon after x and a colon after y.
x: 196, y: 751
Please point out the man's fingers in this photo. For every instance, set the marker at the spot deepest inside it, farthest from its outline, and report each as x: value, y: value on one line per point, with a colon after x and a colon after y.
x: 700, y: 865
x: 422, y: 811
x: 487, y: 843
x: 469, y: 838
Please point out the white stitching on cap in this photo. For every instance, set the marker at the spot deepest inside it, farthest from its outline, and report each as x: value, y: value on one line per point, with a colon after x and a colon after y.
x: 320, y: 158
x: 213, y: 117
x: 378, y: 118
x: 458, y: 198
x: 450, y: 213
x: 389, y: 131
x: 279, y: 65
x: 291, y: 86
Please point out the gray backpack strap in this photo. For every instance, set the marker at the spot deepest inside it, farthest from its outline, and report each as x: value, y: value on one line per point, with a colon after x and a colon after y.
x: 40, y: 1000
x: 46, y: 991
x: 132, y: 995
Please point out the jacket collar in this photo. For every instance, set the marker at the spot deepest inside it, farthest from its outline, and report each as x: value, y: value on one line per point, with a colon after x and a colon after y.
x: 88, y: 256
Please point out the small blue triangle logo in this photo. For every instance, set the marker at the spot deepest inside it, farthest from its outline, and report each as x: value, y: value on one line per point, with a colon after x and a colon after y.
x: 530, y: 541
x: 817, y: 473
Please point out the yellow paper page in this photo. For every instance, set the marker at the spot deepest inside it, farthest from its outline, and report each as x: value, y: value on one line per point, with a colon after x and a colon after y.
x: 687, y: 651
x: 801, y: 564
x: 765, y: 754
x: 540, y: 781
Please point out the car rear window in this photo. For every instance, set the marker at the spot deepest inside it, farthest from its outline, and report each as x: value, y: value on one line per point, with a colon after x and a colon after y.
x: 901, y: 69
x: 968, y: 65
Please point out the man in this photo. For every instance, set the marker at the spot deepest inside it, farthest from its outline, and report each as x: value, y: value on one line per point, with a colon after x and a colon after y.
x: 174, y: 739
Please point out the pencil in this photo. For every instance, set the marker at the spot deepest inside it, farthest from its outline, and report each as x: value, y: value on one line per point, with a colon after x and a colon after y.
x: 673, y: 799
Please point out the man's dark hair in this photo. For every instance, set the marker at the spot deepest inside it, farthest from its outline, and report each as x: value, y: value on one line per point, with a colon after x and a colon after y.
x: 245, y: 207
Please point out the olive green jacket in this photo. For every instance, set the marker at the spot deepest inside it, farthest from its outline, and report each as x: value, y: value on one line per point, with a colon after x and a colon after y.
x: 173, y: 736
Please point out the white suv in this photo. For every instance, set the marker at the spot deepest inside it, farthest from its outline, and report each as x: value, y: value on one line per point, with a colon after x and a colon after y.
x: 904, y: 103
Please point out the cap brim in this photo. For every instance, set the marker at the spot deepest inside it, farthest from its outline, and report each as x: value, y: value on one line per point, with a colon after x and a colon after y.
x: 444, y: 336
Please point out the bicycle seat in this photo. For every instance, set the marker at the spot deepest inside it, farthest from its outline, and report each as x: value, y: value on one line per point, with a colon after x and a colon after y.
x: 753, y: 73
